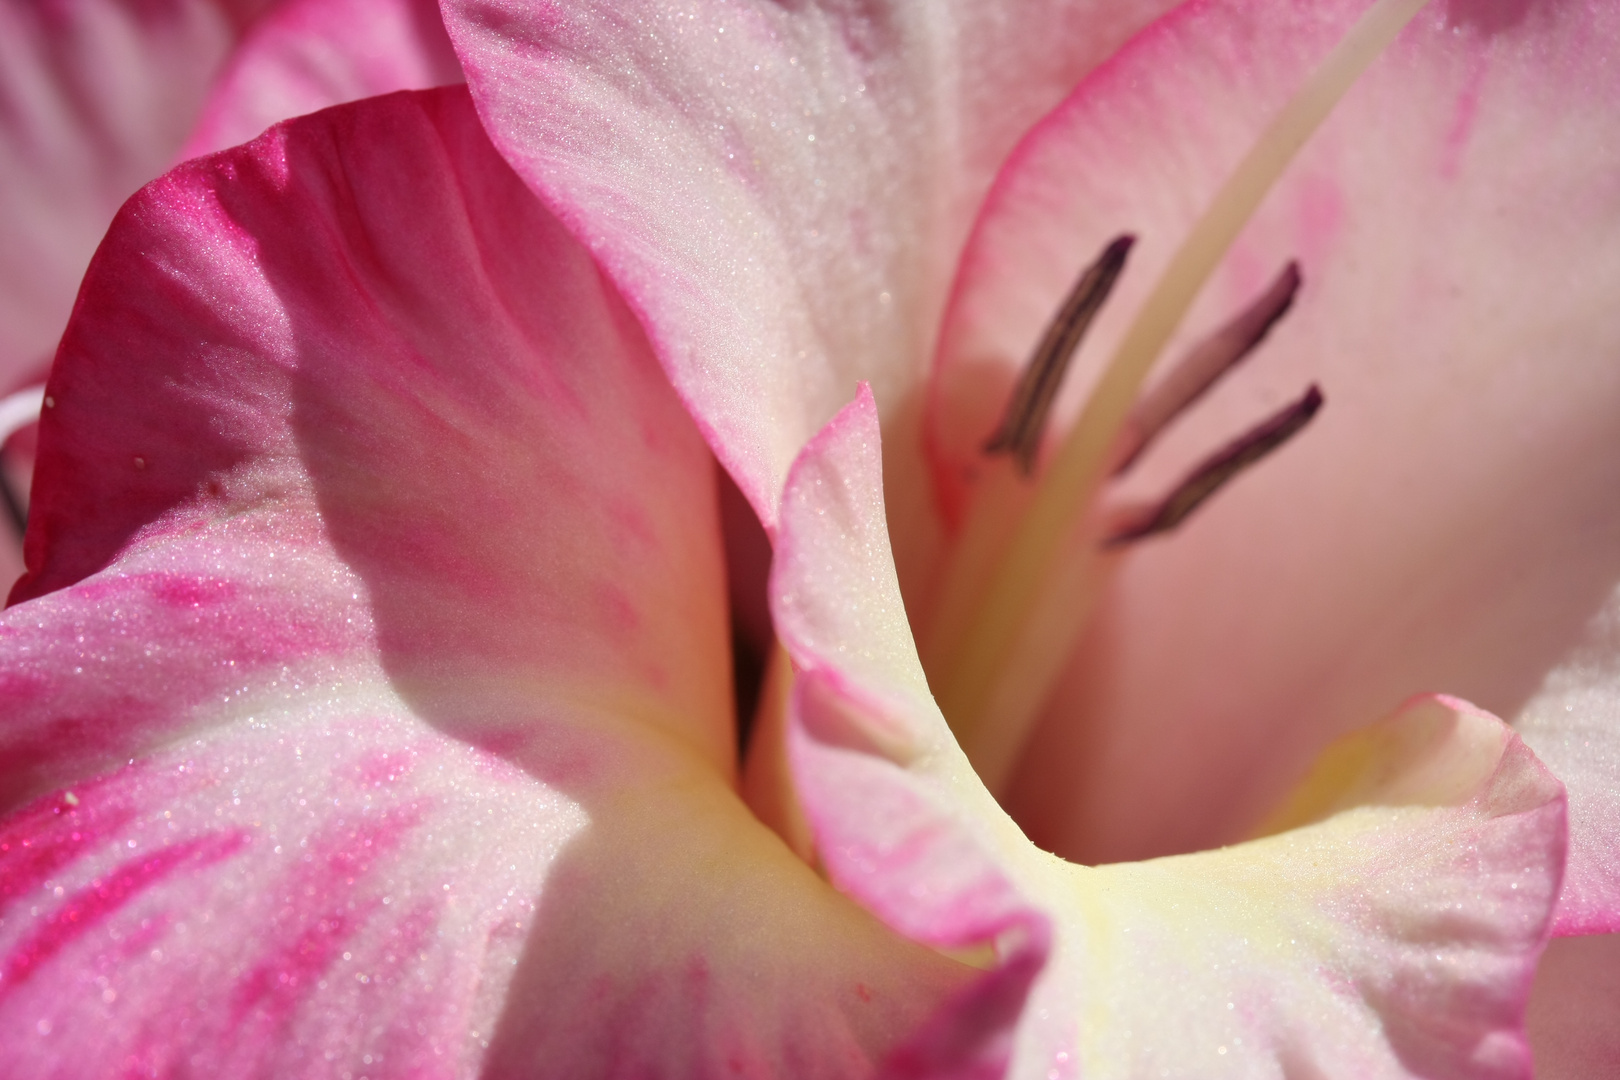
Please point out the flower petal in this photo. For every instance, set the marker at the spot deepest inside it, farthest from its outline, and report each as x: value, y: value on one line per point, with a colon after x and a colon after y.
x: 389, y: 733
x: 310, y: 54
x: 1573, y: 724
x: 281, y: 257
x: 778, y: 192
x: 1575, y: 1009
x: 95, y: 98
x: 1448, y: 521
x: 1391, y: 931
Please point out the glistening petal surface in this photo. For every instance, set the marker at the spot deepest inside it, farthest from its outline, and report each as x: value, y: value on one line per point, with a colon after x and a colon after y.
x: 780, y: 192
x: 370, y: 714
x: 1391, y: 931
x: 1448, y: 521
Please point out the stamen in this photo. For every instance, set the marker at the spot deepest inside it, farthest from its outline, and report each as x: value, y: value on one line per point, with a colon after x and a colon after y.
x: 1214, y: 473
x: 1204, y: 366
x: 1031, y: 401
x: 999, y: 666
x: 12, y: 502
x: 17, y: 411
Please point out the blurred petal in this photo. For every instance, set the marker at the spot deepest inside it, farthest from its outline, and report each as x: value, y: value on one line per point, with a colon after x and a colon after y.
x: 310, y: 54
x: 389, y: 733
x: 1575, y: 1009
x: 1392, y: 931
x: 98, y: 100
x: 1449, y: 521
x: 96, y: 97
x: 779, y: 192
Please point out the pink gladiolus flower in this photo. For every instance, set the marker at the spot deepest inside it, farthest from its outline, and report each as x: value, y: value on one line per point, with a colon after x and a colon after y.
x: 368, y: 703
x: 786, y: 213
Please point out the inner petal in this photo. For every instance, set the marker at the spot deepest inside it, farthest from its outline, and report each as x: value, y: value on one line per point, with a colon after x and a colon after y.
x: 1450, y: 521
x: 1025, y: 574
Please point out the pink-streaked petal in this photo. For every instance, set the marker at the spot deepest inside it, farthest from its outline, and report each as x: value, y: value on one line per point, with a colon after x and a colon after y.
x: 371, y: 711
x: 779, y: 192
x: 312, y: 891
x: 96, y: 97
x: 310, y: 54
x: 283, y: 909
x: 1575, y: 1009
x: 1448, y: 522
x: 1391, y: 931
x: 335, y: 887
x: 341, y: 314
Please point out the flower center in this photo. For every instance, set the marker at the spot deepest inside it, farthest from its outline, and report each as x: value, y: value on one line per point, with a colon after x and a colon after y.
x: 1038, y: 542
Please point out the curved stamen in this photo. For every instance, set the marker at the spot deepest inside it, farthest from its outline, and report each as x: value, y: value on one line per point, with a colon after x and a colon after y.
x: 1214, y: 472
x: 17, y: 411
x: 1203, y: 367
x: 11, y: 501
x: 1031, y: 402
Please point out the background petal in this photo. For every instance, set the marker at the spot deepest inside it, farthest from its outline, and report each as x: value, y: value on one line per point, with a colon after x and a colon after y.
x: 309, y: 54
x: 780, y: 193
x: 1575, y: 1009
x: 96, y: 97
x: 371, y: 715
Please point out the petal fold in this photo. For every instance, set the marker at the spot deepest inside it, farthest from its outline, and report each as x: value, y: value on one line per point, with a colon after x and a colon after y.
x: 1391, y: 931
